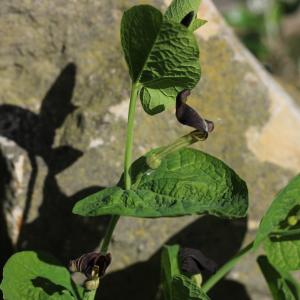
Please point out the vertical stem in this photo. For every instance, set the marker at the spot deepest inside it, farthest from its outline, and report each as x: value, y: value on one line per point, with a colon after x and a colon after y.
x: 129, y: 139
x: 109, y: 231
x: 127, y: 163
x: 89, y: 295
x: 225, y: 269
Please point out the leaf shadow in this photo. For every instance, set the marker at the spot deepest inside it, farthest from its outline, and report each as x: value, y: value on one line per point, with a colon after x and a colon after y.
x: 218, y: 239
x: 47, y: 285
x: 6, y: 243
x: 55, y: 229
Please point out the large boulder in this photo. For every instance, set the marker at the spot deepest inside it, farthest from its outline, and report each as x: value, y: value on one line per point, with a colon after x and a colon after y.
x: 63, y: 112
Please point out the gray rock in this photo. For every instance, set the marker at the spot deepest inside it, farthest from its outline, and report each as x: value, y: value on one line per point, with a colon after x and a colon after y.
x: 63, y: 110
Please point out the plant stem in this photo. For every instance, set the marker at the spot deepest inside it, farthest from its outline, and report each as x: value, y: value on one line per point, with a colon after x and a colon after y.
x: 183, y: 141
x: 129, y: 138
x: 282, y: 234
x: 109, y: 231
x: 225, y: 269
x: 231, y: 263
x: 89, y: 295
x: 127, y: 163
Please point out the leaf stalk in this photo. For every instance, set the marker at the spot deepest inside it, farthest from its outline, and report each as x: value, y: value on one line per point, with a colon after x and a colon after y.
x: 214, y: 279
x: 127, y: 163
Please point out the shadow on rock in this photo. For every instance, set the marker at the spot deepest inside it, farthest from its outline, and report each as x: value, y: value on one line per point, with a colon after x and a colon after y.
x: 6, y: 244
x: 56, y: 230
x: 228, y: 290
x: 218, y: 239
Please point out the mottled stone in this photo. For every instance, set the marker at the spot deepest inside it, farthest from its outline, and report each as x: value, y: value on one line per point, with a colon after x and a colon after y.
x: 63, y: 102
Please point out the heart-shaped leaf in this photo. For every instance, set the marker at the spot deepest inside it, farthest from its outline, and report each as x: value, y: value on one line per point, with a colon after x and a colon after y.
x: 162, y: 56
x: 182, y: 12
x: 159, y: 54
x: 284, y: 253
x: 186, y: 182
x: 281, y: 284
x: 276, y: 217
x: 37, y: 276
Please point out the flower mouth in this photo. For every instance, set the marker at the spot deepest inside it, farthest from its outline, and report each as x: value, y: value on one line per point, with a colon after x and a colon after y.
x: 92, y: 264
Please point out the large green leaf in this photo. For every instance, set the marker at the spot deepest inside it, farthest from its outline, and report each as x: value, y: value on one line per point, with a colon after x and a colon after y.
x: 186, y: 182
x: 159, y: 99
x: 275, y: 218
x: 284, y: 253
x: 177, y: 286
x: 281, y: 284
x: 37, y: 276
x: 159, y: 54
x: 162, y: 55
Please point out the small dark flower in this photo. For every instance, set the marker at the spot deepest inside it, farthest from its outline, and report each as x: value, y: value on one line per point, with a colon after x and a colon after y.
x: 186, y: 115
x: 187, y: 20
x: 193, y: 261
x: 91, y: 264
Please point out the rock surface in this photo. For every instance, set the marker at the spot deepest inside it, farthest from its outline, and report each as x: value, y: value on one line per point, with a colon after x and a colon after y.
x: 63, y: 110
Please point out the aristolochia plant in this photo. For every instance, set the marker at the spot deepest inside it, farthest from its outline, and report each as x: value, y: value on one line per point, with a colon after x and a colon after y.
x: 162, y: 55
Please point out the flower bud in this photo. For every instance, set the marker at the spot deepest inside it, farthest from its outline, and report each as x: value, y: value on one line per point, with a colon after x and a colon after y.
x: 197, y: 278
x: 293, y: 220
x: 92, y: 284
x: 153, y: 161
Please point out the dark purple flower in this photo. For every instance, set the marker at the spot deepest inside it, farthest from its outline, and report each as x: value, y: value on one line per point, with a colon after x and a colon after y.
x: 193, y: 261
x: 91, y: 264
x: 186, y: 115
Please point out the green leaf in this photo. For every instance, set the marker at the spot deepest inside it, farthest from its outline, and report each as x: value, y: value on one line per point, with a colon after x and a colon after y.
x: 32, y: 275
x: 286, y: 200
x: 155, y: 101
x: 197, y: 23
x: 137, y: 38
x: 284, y: 253
x: 281, y: 284
x: 159, y: 99
x: 162, y: 56
x: 185, y: 288
x: 159, y: 54
x: 178, y: 9
x: 177, y: 286
x: 186, y: 182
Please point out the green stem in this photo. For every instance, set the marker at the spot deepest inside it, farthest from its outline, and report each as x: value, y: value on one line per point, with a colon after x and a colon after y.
x: 129, y: 139
x: 127, y: 163
x: 280, y: 234
x: 109, y: 231
x: 230, y: 264
x: 225, y: 269
x: 89, y: 295
x: 178, y: 144
x: 184, y: 141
